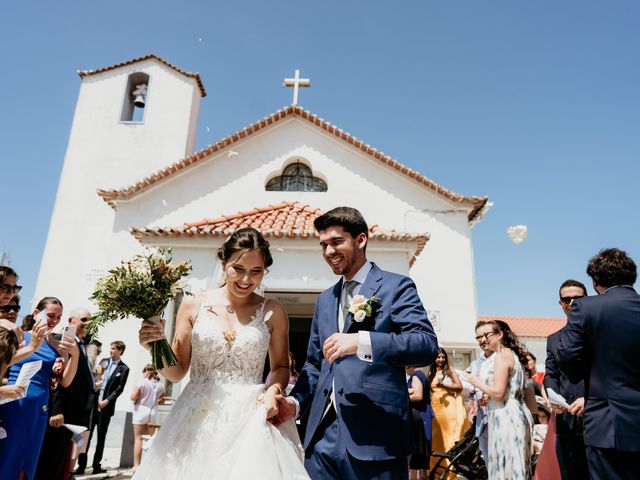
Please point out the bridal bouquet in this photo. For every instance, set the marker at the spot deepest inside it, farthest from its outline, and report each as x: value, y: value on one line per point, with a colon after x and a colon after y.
x: 141, y: 288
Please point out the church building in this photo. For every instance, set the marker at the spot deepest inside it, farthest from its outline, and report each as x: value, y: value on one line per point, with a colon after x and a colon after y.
x: 133, y: 179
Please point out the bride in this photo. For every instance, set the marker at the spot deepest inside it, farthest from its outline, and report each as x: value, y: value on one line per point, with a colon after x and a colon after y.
x: 218, y: 427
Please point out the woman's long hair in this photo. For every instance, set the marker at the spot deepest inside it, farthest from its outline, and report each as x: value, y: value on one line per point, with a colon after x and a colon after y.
x: 446, y: 369
x: 509, y: 339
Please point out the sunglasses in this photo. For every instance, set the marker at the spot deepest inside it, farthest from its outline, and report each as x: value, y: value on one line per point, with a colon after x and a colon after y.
x: 6, y: 288
x: 9, y: 308
x: 568, y: 300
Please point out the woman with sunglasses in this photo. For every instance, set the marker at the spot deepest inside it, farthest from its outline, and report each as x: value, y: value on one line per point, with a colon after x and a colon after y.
x: 24, y: 421
x: 510, y: 422
x: 8, y: 287
x: 11, y: 309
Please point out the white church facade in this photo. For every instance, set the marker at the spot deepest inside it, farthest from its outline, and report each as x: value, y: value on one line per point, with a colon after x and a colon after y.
x: 131, y: 178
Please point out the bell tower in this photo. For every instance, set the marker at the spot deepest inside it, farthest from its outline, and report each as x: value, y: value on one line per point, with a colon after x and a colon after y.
x: 131, y: 119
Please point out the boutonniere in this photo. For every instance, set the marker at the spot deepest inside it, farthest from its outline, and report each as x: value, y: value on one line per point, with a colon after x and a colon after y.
x: 362, y: 307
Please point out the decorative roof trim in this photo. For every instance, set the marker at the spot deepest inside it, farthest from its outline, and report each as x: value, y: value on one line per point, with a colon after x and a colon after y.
x: 151, y: 56
x: 112, y: 196
x: 220, y: 227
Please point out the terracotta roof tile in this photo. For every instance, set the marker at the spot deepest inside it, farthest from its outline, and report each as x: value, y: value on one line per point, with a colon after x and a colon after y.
x: 196, y: 76
x: 540, y: 327
x: 285, y: 219
x: 112, y: 196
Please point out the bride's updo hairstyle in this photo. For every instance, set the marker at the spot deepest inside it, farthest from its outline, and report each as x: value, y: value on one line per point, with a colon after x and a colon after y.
x: 243, y: 240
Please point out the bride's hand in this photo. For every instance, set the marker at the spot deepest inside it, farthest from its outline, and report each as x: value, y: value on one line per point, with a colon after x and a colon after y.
x: 268, y: 399
x: 150, y: 332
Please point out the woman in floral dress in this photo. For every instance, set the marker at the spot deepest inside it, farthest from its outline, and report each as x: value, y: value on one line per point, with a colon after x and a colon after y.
x: 510, y: 421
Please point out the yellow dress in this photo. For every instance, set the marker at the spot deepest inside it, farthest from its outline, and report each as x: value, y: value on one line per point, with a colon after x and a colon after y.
x: 449, y: 417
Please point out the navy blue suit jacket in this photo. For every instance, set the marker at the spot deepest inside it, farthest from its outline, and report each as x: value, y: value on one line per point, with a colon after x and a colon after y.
x: 372, y: 402
x: 600, y: 345
x: 567, y: 424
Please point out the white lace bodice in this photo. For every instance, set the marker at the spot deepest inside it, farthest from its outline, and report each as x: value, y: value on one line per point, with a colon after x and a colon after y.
x: 216, y: 360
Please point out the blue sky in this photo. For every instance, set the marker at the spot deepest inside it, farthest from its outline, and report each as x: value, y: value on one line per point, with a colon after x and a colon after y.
x: 533, y: 103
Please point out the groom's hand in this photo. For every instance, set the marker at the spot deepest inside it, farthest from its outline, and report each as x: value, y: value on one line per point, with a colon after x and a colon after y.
x: 340, y: 345
x: 286, y: 410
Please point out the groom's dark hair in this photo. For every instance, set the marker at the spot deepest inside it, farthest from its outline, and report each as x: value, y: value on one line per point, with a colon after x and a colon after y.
x: 346, y: 217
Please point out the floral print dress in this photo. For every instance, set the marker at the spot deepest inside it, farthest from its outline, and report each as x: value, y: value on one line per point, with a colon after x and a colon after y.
x: 510, y: 425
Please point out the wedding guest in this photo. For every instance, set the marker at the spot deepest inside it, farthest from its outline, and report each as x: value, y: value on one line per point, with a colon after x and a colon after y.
x: 11, y: 309
x: 94, y: 349
x: 600, y: 346
x: 293, y: 372
x: 478, y: 367
x: 20, y: 449
x: 114, y: 379
x: 145, y: 397
x: 8, y: 287
x: 9, y: 344
x: 540, y: 428
x: 536, y: 376
x: 510, y: 422
x: 72, y: 405
x: 569, y: 442
x: 423, y: 405
x: 419, y: 396
x: 450, y: 418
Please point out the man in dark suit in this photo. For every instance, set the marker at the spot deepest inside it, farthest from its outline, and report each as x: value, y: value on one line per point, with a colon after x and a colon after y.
x: 570, y: 450
x: 353, y: 384
x: 114, y: 378
x: 71, y: 405
x: 600, y: 345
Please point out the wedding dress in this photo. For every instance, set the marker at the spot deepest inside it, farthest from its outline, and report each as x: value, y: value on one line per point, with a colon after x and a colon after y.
x: 217, y: 429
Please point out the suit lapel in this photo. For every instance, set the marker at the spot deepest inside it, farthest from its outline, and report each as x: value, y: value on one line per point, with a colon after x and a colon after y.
x: 369, y: 288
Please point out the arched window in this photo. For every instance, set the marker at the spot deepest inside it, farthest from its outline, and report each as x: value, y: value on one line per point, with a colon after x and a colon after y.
x: 135, y: 98
x: 296, y: 177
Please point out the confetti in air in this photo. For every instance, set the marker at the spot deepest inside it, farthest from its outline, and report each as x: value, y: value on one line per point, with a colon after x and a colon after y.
x: 517, y: 233
x: 232, y: 154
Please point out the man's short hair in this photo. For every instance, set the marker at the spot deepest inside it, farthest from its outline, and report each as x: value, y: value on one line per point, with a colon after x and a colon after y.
x: 611, y: 267
x: 572, y: 283
x: 119, y: 345
x: 346, y: 217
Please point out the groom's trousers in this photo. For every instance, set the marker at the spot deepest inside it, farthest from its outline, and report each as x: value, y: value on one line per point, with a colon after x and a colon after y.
x: 327, y: 457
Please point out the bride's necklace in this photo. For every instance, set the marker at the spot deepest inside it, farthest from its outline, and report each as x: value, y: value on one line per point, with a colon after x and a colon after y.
x: 230, y: 334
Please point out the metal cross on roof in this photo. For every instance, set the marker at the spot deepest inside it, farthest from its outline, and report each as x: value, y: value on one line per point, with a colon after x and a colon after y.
x: 296, y: 82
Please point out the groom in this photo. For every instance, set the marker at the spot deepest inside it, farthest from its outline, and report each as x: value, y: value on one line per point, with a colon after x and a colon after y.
x: 353, y: 383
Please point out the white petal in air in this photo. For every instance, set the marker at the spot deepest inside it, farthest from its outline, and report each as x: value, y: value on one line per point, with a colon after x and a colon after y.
x: 232, y: 153
x: 305, y: 279
x: 517, y: 233
x: 164, y: 203
x: 208, y: 129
